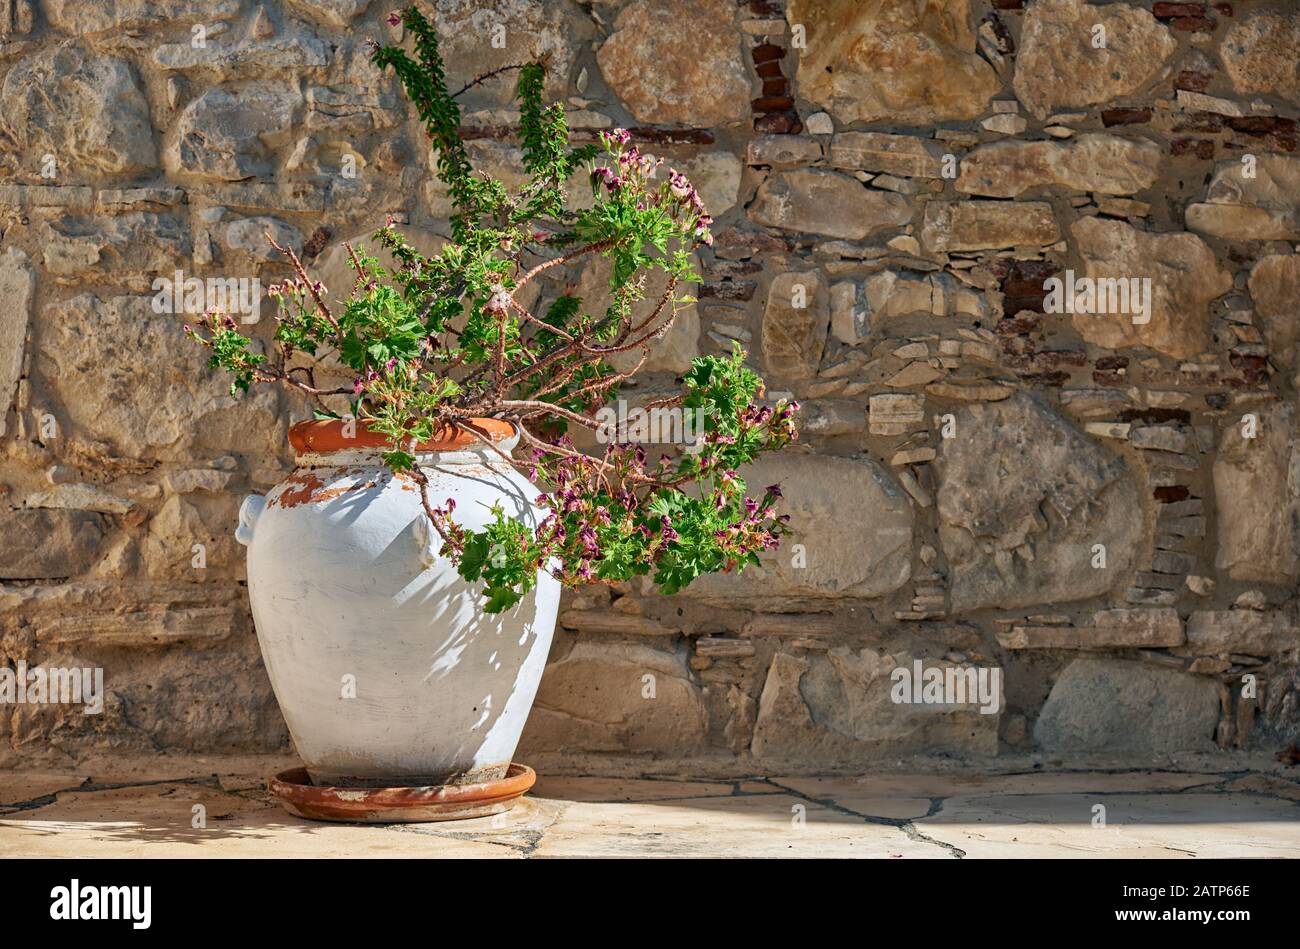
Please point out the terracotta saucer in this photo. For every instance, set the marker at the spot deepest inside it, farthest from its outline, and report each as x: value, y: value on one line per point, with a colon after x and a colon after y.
x: 294, y: 790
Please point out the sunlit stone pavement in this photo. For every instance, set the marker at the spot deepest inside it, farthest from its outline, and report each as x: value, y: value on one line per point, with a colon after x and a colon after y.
x: 147, y: 808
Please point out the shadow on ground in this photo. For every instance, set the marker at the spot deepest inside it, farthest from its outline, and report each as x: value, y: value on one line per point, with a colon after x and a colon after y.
x: 1102, y: 814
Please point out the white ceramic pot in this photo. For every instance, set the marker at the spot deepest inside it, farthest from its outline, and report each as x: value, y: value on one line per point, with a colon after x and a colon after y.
x: 384, y: 663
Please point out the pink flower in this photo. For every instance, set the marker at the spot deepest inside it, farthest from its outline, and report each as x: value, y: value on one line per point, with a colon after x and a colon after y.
x: 395, y: 19
x: 679, y: 184
x: 500, y: 301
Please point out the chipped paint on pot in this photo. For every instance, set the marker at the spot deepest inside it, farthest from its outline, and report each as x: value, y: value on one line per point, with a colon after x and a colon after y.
x: 386, y: 667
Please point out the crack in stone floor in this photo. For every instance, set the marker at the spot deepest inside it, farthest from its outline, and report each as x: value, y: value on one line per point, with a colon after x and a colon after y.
x: 136, y: 811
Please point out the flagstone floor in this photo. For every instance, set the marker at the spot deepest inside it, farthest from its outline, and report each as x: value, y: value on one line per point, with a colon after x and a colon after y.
x: 146, y: 808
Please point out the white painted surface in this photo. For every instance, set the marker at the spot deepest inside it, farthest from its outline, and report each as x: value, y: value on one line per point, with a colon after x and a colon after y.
x: 347, y: 584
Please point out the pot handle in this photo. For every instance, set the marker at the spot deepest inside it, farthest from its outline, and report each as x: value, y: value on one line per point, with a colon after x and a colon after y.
x: 427, y: 539
x: 249, y: 512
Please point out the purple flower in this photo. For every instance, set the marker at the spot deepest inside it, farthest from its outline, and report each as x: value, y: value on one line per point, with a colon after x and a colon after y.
x: 679, y: 184
x: 395, y: 18
x: 774, y: 490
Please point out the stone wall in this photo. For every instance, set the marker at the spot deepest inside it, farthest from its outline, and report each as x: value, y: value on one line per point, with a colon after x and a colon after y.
x: 1102, y: 506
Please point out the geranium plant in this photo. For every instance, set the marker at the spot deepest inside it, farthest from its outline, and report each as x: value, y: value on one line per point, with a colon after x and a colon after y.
x: 439, y: 341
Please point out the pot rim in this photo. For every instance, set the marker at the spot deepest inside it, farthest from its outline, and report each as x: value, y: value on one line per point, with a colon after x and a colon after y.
x: 321, y: 436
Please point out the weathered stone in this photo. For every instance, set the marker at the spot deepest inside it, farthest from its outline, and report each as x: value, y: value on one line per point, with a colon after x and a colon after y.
x: 672, y: 353
x: 619, y: 624
x: 479, y: 36
x: 866, y: 554
x: 723, y: 647
x: 1258, y: 201
x: 1006, y: 123
x: 288, y: 52
x: 839, y: 707
x: 149, y: 198
x: 698, y: 77
x: 1257, y: 488
x: 351, y: 109
x: 1251, y: 632
x: 330, y: 12
x: 716, y: 177
x: 1101, y: 163
x: 1185, y: 277
x: 46, y: 545
x: 824, y: 202
x: 82, y: 17
x: 72, y: 197
x: 795, y: 324
x: 17, y: 284
x: 84, y: 109
x: 596, y: 698
x: 897, y: 293
x: 914, y: 374
x: 848, y: 319
x: 982, y: 392
x: 912, y: 63
x: 140, y: 628
x: 1275, y: 288
x: 987, y: 225
x: 249, y: 236
x: 127, y: 376
x: 1058, y: 65
x: 1110, y: 629
x: 167, y: 552
x: 896, y: 154
x: 833, y: 417
x: 119, y: 245
x: 782, y: 150
x: 227, y: 134
x: 1162, y: 438
x: 1023, y: 498
x: 79, y: 497
x: 796, y: 625
x: 819, y: 123
x: 1259, y: 54
x: 895, y: 414
x: 1199, y: 102
x: 1114, y: 706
